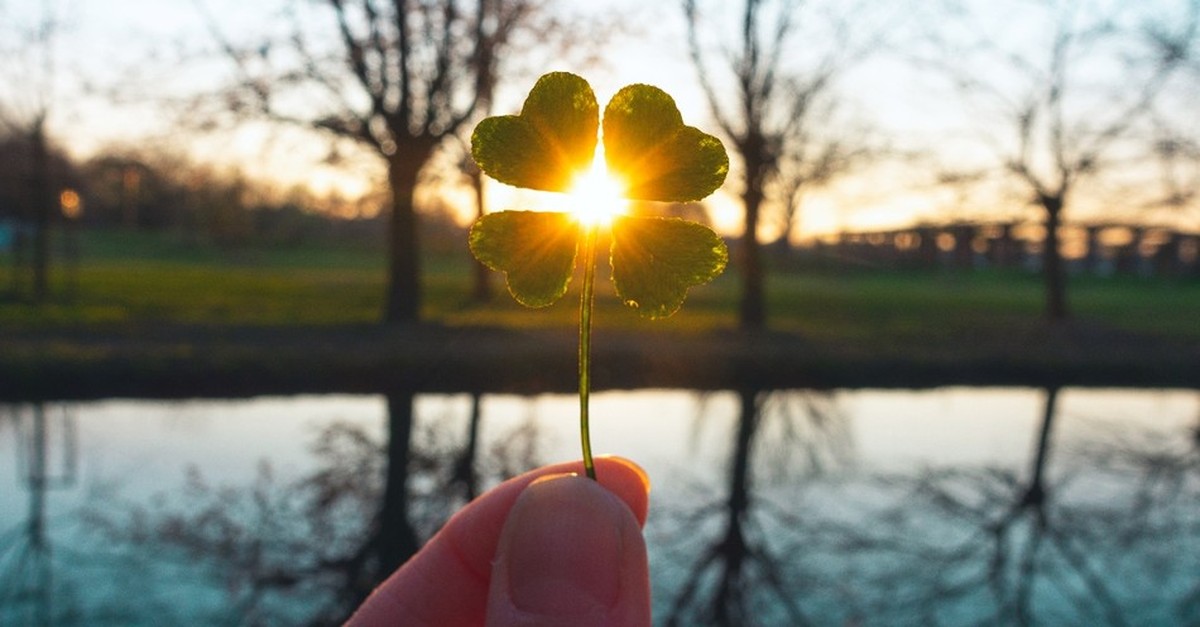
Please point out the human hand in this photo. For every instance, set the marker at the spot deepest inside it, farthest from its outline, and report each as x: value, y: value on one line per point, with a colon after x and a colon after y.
x: 546, y: 548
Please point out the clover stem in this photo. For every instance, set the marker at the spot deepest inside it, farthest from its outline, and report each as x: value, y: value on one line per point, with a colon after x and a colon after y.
x: 585, y: 346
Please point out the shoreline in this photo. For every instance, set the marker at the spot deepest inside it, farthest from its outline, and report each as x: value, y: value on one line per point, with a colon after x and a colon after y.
x: 178, y: 361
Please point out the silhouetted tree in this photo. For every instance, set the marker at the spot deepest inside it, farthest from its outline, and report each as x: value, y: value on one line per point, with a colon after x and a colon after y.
x: 28, y: 64
x: 31, y: 167
x: 1067, y: 101
x: 770, y: 92
x: 813, y: 159
x: 1178, y: 157
x: 401, y: 78
x: 559, y: 39
x: 481, y: 281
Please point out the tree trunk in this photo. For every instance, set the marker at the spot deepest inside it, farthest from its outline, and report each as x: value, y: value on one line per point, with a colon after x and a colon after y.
x: 464, y: 467
x: 752, y: 313
x: 396, y: 540
x: 403, y: 301
x: 734, y: 550
x: 1052, y: 262
x: 739, y: 468
x: 42, y: 201
x: 1035, y: 493
x: 481, y: 290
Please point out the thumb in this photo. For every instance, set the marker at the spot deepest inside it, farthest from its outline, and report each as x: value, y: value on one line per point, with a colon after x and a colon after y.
x: 571, y: 553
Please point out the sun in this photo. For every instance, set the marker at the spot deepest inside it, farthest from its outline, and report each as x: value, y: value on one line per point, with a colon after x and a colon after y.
x: 596, y: 197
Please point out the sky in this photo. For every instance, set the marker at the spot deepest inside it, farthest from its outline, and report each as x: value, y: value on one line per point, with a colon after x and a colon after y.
x: 106, y: 43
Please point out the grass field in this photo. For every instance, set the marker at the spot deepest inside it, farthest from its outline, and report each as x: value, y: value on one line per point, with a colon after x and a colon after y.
x: 133, y: 279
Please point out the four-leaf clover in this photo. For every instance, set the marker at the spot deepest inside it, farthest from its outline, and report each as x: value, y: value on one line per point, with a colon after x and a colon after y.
x: 654, y: 155
x: 646, y: 146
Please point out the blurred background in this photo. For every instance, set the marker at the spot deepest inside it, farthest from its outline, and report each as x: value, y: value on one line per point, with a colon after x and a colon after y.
x: 247, y: 364
x: 1054, y: 137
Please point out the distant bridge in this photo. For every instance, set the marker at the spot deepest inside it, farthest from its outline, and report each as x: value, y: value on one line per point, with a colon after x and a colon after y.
x: 1102, y: 249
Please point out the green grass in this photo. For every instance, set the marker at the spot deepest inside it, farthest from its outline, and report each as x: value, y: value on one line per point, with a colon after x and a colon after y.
x: 131, y: 279
x: 877, y: 304
x: 128, y: 278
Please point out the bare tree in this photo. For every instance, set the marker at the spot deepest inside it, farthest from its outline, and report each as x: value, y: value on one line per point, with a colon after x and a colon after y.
x: 814, y: 159
x: 29, y: 69
x: 769, y: 93
x: 401, y: 77
x: 567, y: 40
x: 1066, y: 106
x: 1176, y: 144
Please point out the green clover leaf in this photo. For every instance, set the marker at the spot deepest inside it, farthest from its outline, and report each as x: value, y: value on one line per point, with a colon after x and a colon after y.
x: 646, y: 145
x: 535, y: 250
x: 545, y: 146
x: 655, y: 260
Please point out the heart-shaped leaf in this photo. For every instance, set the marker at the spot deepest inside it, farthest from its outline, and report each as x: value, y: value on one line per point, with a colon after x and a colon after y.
x: 535, y: 250
x: 656, y: 260
x: 549, y: 143
x: 648, y: 147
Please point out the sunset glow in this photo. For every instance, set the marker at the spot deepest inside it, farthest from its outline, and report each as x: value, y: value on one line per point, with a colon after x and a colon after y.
x: 596, y: 198
x: 348, y: 181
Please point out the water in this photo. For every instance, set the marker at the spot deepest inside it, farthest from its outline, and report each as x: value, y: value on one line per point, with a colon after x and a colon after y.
x: 879, y: 507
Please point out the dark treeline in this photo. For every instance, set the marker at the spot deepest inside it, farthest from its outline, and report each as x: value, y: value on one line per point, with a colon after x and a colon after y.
x: 154, y: 190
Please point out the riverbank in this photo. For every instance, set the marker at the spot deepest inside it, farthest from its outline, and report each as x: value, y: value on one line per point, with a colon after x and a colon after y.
x: 173, y: 361
x: 156, y: 315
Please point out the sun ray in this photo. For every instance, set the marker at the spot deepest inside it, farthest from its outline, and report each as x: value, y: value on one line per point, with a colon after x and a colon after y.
x: 596, y: 197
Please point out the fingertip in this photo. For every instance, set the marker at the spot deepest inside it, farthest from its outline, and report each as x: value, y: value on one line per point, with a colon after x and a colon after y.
x: 628, y: 481
x: 630, y: 465
x: 570, y: 553
x: 450, y: 575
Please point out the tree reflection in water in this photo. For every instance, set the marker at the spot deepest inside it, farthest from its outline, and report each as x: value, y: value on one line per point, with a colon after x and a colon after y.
x: 989, y: 546
x: 1103, y: 533
x: 27, y: 585
x: 740, y: 576
x: 309, y: 551
x: 1096, y: 524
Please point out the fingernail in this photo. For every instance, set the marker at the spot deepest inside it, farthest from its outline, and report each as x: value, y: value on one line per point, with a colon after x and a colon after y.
x: 630, y: 464
x: 564, y: 550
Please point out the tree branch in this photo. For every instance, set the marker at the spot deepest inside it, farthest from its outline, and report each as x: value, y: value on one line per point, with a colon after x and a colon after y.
x: 698, y: 60
x: 404, y: 110
x: 356, y: 56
